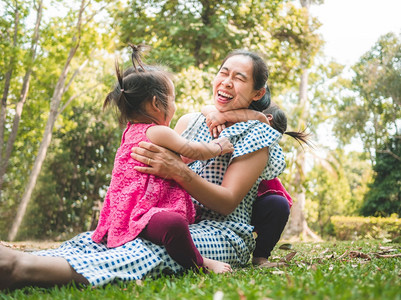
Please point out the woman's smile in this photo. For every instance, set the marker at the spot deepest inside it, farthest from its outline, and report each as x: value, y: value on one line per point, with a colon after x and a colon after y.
x: 224, y: 97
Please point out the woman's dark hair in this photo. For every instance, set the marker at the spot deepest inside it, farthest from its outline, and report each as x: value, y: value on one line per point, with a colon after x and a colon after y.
x: 279, y: 123
x: 260, y: 76
x: 138, y: 85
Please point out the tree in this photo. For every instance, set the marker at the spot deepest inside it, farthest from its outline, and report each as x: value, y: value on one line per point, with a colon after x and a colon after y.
x: 335, y: 186
x: 5, y: 158
x: 384, y: 196
x: 75, y: 175
x: 197, y: 32
x: 190, y: 36
x: 83, y: 18
x: 297, y: 224
x: 372, y: 112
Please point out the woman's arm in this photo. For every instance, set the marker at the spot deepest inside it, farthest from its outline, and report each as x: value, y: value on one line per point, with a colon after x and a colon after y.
x: 240, y: 176
x: 168, y: 138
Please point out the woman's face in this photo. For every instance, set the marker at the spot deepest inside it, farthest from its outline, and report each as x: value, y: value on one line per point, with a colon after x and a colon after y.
x: 233, y: 84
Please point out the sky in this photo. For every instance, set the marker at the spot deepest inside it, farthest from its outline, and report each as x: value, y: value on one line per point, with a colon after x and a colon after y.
x: 351, y: 27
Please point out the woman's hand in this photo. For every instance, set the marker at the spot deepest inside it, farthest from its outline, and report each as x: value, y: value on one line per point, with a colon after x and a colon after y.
x: 161, y: 161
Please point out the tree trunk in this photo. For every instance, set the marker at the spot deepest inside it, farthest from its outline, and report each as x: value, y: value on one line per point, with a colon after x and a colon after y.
x: 47, y: 135
x: 297, y: 225
x: 22, y: 99
x: 7, y: 82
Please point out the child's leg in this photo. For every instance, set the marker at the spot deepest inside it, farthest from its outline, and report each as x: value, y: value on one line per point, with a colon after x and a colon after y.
x: 19, y: 269
x: 171, y: 230
x: 269, y: 216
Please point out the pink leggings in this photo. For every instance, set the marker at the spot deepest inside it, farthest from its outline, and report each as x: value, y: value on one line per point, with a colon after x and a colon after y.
x: 171, y: 230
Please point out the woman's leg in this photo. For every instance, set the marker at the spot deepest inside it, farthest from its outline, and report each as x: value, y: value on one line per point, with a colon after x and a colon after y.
x: 269, y: 216
x: 19, y: 269
x: 171, y: 230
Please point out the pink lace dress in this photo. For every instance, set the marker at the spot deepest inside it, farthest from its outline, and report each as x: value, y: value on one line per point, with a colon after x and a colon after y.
x: 134, y: 197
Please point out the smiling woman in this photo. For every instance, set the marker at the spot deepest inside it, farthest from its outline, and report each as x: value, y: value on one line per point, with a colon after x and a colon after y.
x: 223, y: 188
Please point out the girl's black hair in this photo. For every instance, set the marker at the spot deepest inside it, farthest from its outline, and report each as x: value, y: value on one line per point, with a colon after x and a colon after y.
x: 260, y: 76
x: 279, y: 123
x: 136, y: 86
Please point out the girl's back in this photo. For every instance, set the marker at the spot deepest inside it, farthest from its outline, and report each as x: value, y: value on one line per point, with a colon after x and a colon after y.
x: 134, y: 197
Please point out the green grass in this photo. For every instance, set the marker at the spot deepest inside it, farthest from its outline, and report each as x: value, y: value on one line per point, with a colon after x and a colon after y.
x: 316, y: 272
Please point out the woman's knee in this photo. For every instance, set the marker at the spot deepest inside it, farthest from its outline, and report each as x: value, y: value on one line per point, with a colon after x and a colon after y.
x: 273, y: 205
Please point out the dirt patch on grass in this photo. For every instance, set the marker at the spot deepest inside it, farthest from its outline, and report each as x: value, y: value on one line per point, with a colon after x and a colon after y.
x: 31, y: 245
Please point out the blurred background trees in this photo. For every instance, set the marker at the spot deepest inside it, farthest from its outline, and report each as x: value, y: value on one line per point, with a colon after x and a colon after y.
x: 190, y: 38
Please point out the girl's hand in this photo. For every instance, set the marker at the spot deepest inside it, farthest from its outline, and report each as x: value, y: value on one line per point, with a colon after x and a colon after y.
x: 216, y: 122
x: 226, y: 146
x: 161, y: 161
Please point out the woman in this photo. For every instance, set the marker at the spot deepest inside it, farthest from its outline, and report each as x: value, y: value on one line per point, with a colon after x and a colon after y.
x: 224, y: 188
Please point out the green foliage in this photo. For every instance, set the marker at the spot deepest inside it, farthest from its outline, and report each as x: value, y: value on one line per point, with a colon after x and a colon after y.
x: 335, y: 186
x: 384, y: 197
x: 193, y: 90
x: 372, y: 111
x: 57, y: 32
x: 199, y: 33
x: 359, y: 174
x: 76, y: 175
x: 191, y: 37
x: 354, y: 228
x: 327, y: 193
x: 190, y: 33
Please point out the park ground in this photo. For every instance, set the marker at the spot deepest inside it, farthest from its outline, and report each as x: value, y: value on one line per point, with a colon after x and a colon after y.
x: 365, y: 269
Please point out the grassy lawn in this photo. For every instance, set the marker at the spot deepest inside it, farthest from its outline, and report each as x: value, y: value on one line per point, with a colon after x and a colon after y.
x: 330, y: 270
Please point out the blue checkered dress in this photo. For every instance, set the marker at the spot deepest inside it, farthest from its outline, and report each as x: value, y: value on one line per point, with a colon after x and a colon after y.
x: 225, y: 238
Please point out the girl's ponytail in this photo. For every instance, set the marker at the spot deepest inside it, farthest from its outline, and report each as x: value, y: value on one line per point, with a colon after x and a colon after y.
x: 137, y: 85
x: 136, y: 56
x: 279, y: 123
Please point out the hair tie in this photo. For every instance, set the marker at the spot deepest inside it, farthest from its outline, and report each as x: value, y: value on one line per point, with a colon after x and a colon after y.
x: 221, y: 148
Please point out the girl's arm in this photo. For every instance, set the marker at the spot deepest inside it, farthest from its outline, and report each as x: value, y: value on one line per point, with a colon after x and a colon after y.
x: 243, y: 115
x: 240, y: 176
x: 168, y: 138
x: 217, y: 121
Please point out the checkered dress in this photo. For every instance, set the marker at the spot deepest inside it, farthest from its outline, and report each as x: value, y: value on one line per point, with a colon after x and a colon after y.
x: 225, y: 238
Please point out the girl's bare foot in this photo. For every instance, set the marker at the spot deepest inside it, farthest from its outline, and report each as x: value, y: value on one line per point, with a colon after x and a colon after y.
x: 216, y: 266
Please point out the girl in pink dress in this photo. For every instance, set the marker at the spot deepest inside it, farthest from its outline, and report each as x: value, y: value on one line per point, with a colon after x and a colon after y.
x: 143, y: 205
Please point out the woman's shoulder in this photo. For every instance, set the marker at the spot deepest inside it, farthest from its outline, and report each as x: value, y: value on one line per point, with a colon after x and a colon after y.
x: 183, y: 122
x: 188, y: 122
x: 252, y: 129
x: 187, y: 118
